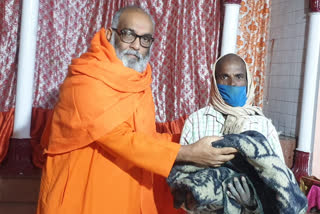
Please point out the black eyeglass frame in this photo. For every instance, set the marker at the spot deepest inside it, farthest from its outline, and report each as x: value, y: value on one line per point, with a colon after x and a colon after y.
x: 120, y: 33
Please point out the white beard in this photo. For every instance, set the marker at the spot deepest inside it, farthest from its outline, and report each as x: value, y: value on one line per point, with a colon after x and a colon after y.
x: 139, y: 64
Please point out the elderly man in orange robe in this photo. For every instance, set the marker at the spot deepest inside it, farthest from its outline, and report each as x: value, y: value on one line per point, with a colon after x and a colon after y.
x: 101, y: 144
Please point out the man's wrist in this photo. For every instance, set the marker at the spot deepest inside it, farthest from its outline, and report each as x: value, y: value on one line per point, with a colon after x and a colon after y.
x: 251, y: 209
x: 182, y: 154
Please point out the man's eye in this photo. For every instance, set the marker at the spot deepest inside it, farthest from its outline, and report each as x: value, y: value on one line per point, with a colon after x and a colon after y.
x: 224, y: 77
x: 126, y: 32
x: 240, y: 76
x: 146, y: 38
x: 130, y: 33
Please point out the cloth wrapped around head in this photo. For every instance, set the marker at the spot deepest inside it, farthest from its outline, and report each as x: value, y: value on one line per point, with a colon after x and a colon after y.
x: 235, y: 116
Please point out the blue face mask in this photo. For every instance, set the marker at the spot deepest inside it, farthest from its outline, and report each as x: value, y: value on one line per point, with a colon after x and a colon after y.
x: 233, y: 95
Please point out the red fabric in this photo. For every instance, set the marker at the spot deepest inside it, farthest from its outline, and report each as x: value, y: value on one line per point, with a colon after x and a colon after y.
x: 38, y: 122
x: 6, y: 128
x: 163, y: 197
x: 172, y: 127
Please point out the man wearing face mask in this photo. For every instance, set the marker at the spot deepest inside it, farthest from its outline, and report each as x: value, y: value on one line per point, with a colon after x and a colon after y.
x: 231, y: 112
x: 101, y: 143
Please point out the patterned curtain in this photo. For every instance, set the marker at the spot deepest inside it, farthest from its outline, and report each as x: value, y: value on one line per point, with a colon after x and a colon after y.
x: 186, y: 45
x: 252, y: 37
x: 187, y: 40
x: 187, y: 34
x: 9, y: 27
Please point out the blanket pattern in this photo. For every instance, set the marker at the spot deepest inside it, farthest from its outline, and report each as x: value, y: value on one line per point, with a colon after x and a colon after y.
x: 274, y: 185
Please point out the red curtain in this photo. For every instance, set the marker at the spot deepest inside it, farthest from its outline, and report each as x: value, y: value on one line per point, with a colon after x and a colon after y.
x: 9, y: 25
x: 187, y: 35
x: 6, y: 127
x: 186, y: 44
x: 39, y: 119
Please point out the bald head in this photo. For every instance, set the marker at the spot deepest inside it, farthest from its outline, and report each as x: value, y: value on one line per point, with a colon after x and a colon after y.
x: 231, y: 70
x: 130, y: 11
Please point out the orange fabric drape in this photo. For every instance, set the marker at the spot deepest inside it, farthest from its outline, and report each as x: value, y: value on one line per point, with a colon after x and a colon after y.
x: 118, y: 93
x: 251, y: 42
x: 6, y: 128
x: 76, y: 123
x: 161, y: 189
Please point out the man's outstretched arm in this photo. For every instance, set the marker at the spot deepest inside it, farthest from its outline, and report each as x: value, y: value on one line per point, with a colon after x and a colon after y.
x: 158, y: 155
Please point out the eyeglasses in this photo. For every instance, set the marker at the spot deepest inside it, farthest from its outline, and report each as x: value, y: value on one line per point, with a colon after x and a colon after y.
x: 129, y: 36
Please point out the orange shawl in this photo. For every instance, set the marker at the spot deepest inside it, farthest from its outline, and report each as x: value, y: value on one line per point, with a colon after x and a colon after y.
x: 89, y: 109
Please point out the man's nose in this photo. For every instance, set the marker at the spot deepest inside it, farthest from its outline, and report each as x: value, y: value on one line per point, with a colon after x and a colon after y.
x: 233, y: 81
x: 135, y: 44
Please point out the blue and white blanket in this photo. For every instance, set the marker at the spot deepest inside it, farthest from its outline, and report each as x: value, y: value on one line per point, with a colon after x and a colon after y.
x: 274, y: 185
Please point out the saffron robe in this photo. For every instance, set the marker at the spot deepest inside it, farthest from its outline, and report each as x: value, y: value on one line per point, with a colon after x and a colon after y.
x: 101, y: 144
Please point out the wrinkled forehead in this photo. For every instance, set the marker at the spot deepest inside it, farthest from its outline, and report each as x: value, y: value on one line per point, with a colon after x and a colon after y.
x: 136, y: 20
x: 232, y: 61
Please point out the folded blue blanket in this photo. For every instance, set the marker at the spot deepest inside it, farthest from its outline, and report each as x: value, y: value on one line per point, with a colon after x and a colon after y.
x: 274, y: 185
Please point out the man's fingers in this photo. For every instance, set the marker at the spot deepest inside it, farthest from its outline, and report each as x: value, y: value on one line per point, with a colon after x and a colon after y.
x: 239, y: 187
x: 225, y: 158
x: 218, y: 162
x: 231, y: 196
x: 215, y: 138
x: 224, y: 151
x: 210, y: 139
x: 228, y: 150
x: 245, y: 185
x: 234, y: 192
x: 203, y: 153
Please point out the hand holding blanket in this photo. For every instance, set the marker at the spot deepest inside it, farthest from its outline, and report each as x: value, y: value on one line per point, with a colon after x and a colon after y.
x: 274, y: 186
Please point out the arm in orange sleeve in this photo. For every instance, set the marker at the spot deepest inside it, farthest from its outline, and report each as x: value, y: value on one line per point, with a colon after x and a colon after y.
x: 151, y: 153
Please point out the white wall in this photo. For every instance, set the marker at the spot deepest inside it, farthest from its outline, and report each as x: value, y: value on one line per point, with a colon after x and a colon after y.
x: 285, y: 64
x: 316, y: 147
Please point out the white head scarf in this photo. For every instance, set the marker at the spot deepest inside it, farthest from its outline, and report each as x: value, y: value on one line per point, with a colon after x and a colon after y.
x: 236, y: 116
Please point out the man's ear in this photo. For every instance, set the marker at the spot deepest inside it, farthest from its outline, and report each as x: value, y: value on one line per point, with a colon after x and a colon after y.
x: 109, y: 33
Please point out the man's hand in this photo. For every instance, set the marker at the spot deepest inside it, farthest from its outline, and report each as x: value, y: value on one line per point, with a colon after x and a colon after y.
x: 242, y: 194
x: 202, y: 152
